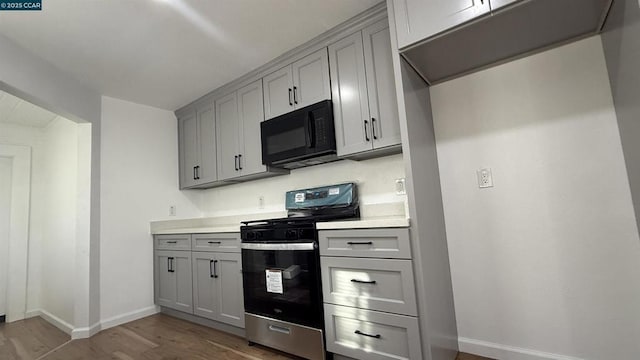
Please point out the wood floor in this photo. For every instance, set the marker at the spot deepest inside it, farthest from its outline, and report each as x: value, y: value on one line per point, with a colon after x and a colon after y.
x: 157, y: 337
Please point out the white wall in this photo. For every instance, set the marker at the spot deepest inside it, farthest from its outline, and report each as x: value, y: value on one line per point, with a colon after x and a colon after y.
x: 6, y: 165
x: 57, y: 208
x: 139, y: 183
x: 375, y: 178
x: 548, y: 259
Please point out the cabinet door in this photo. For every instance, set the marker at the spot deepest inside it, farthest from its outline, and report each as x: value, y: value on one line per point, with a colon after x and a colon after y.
x: 311, y: 79
x: 227, y: 127
x: 207, y: 171
x: 421, y: 19
x: 251, y: 114
x: 350, y: 104
x: 383, y: 103
x: 229, y: 288
x: 164, y: 280
x: 184, y: 287
x: 189, y: 149
x: 204, y: 285
x: 278, y: 92
x: 173, y: 287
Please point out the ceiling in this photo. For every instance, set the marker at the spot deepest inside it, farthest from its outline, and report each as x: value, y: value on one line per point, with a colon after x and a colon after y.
x: 14, y: 110
x: 166, y: 53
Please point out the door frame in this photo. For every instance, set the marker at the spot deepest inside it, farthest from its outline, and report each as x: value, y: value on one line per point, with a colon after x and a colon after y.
x: 19, y: 230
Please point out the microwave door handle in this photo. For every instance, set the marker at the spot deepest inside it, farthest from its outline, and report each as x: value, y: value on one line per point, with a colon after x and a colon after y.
x: 311, y: 129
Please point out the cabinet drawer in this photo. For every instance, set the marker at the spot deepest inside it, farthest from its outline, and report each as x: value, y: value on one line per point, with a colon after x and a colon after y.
x: 371, y: 335
x: 378, y: 243
x: 374, y: 284
x: 172, y: 242
x: 222, y: 242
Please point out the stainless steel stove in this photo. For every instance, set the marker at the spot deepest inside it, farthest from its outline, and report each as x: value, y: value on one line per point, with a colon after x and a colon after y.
x: 281, y: 271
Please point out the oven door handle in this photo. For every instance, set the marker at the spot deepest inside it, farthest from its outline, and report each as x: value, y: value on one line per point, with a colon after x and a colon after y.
x: 280, y: 246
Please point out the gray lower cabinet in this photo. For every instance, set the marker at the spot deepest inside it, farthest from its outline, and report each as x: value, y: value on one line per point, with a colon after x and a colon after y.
x: 173, y: 280
x: 369, y: 294
x: 364, y: 97
x: 371, y: 335
x: 217, y: 287
x: 206, y: 282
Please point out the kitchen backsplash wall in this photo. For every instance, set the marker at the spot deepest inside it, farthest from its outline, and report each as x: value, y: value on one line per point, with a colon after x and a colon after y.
x: 375, y: 179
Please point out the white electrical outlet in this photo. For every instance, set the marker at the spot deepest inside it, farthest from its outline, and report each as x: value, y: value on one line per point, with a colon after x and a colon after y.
x: 400, y: 187
x: 485, y: 179
x: 261, y: 202
x: 172, y: 210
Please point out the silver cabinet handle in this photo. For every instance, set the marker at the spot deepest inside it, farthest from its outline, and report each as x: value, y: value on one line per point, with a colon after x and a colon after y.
x: 295, y: 95
x: 280, y: 329
x: 215, y: 270
x: 290, y: 102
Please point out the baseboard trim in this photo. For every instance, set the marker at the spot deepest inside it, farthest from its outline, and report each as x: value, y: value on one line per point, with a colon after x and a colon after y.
x: 85, y: 332
x: 32, y: 313
x: 53, y: 320
x: 499, y: 351
x: 128, y: 317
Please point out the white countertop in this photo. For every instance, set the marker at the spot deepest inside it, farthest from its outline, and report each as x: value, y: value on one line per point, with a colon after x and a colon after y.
x: 372, y: 216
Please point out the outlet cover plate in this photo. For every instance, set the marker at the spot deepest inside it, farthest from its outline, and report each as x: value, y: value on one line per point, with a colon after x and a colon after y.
x: 485, y: 178
x: 400, y: 187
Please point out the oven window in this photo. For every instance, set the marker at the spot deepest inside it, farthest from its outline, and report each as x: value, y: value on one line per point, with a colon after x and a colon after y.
x: 293, y: 290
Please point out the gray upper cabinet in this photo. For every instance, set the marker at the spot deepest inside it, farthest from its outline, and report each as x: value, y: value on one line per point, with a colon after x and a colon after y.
x: 238, y: 117
x: 383, y: 103
x: 302, y: 83
x: 364, y: 97
x: 278, y: 92
x: 421, y: 19
x: 173, y: 287
x: 350, y: 102
x: 197, y: 142
x: 228, y: 137
x: 311, y: 79
x: 217, y: 287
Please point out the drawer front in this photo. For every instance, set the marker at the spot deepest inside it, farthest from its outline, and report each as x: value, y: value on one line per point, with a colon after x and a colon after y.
x: 379, y: 243
x: 374, y: 284
x: 371, y: 335
x: 222, y: 242
x: 172, y: 242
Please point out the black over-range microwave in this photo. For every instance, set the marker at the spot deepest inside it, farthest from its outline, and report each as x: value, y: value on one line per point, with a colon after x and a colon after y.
x: 300, y: 138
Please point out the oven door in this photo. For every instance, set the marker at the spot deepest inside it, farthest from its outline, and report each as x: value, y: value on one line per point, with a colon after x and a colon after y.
x: 282, y: 281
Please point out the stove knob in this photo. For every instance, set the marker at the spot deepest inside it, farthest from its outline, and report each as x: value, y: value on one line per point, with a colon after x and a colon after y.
x: 251, y: 235
x: 259, y: 235
x: 291, y: 234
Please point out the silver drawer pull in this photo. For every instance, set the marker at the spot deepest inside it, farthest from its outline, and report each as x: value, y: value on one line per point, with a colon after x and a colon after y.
x: 214, y: 242
x: 377, y: 336
x: 171, y: 242
x: 360, y: 243
x: 280, y: 329
x: 373, y: 282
